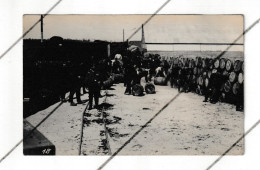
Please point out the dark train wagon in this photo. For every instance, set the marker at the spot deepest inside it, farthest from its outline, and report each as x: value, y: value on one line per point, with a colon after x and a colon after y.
x: 46, y: 65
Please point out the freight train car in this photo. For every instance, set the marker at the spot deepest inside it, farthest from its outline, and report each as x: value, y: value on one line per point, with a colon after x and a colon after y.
x: 46, y: 66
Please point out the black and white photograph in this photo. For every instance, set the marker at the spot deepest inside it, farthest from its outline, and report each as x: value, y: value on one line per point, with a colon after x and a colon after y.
x: 130, y: 84
x: 111, y: 84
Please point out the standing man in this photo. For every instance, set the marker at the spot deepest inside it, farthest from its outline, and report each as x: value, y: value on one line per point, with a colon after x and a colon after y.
x: 129, y: 76
x: 213, y: 89
x: 75, y: 84
x: 94, y: 85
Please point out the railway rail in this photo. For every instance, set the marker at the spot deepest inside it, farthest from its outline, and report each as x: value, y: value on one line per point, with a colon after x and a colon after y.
x: 105, y: 142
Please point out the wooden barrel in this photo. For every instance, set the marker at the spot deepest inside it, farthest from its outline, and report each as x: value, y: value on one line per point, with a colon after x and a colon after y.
x: 235, y: 88
x: 240, y: 78
x: 232, y: 77
x: 195, y: 70
x: 216, y: 63
x: 160, y: 81
x: 228, y: 65
x: 237, y: 65
x: 206, y: 81
x: 227, y: 87
x: 149, y: 88
x: 222, y: 63
x: 137, y: 90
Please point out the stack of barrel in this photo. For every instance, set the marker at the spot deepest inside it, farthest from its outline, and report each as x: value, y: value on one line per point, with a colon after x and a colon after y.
x: 232, y: 88
x: 200, y: 70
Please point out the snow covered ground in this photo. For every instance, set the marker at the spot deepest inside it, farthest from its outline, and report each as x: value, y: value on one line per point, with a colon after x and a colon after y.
x: 187, y: 126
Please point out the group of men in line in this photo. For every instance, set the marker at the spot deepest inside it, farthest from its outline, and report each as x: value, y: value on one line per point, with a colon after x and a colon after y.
x: 91, y: 75
x: 182, y: 78
x: 86, y: 76
x: 134, y: 67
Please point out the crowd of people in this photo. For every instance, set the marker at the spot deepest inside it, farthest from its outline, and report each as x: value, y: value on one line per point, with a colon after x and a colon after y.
x: 91, y: 75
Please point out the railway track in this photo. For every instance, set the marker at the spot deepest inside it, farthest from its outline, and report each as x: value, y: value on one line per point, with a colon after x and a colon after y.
x: 94, y: 139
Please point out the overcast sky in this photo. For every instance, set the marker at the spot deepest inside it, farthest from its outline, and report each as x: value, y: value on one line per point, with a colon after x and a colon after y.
x: 161, y: 29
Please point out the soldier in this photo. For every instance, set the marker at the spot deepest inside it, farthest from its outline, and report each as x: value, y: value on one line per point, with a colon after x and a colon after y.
x: 239, y: 100
x: 94, y: 86
x: 75, y: 84
x: 160, y: 72
x: 116, y: 67
x: 137, y: 75
x: 186, y: 79
x: 208, y: 89
x: 62, y: 80
x: 180, y: 82
x: 129, y: 76
x: 173, y: 75
x: 213, y: 90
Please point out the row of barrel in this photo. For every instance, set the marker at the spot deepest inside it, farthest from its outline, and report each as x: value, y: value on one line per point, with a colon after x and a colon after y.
x: 201, y: 69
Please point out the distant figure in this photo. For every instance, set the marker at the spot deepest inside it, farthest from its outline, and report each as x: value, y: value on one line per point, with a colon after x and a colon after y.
x: 75, y: 85
x: 186, y: 79
x: 160, y: 72
x: 209, y: 89
x: 94, y: 86
x: 116, y: 67
x: 173, y: 75
x: 180, y: 79
x: 213, y: 90
x: 165, y: 66
x: 239, y: 101
x: 130, y: 73
x: 137, y: 75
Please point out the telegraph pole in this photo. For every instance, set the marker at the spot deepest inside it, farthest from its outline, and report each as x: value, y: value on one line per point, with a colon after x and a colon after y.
x: 41, y: 28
